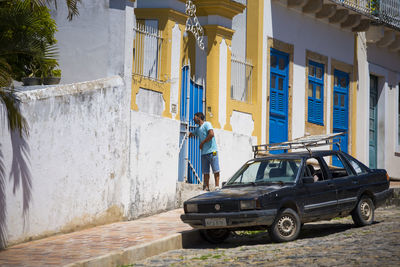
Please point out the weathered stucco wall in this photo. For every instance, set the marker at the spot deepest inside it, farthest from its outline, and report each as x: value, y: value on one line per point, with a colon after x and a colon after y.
x: 386, y: 66
x: 97, y: 42
x: 153, y: 163
x: 234, y: 150
x: 76, y: 159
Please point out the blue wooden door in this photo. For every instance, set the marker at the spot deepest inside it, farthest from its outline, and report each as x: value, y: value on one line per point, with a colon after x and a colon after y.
x: 341, y: 110
x: 191, y: 103
x: 373, y: 121
x: 278, y: 106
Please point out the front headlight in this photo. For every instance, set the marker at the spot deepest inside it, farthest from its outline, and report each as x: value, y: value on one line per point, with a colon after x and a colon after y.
x: 191, y: 208
x: 248, y: 204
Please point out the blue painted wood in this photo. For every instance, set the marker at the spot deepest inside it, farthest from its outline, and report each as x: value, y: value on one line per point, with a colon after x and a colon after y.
x: 278, y: 111
x: 373, y: 121
x: 196, y: 105
x: 315, y: 101
x: 188, y: 109
x: 341, y: 110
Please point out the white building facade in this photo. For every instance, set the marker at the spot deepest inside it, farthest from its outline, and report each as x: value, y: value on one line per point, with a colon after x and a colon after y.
x: 111, y: 143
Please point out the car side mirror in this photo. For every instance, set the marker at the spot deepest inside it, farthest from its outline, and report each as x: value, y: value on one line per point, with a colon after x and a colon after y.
x: 223, y: 183
x: 308, y: 180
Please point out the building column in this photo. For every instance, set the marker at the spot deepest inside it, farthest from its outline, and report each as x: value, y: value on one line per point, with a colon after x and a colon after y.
x: 217, y: 78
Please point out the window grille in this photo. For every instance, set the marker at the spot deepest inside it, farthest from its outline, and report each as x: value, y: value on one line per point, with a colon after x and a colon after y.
x: 389, y: 11
x: 363, y: 6
x: 241, y: 79
x: 147, y: 49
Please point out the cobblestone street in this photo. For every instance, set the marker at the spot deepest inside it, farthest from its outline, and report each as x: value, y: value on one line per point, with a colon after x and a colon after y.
x: 326, y: 243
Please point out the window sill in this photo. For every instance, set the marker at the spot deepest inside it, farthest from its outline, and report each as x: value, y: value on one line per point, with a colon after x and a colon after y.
x: 316, y: 123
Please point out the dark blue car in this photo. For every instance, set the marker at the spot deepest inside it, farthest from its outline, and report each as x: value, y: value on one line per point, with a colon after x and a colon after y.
x: 282, y: 192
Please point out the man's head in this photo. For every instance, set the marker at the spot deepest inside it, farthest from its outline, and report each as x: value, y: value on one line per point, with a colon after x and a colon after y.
x: 199, y: 118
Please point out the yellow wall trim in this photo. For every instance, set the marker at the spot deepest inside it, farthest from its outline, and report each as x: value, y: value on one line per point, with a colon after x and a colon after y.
x: 217, y: 30
x: 254, y: 52
x: 215, y: 34
x: 224, y: 8
x: 161, y: 14
x: 167, y: 18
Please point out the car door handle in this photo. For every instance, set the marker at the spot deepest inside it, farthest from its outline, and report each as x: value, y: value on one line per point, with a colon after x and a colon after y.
x: 354, y: 182
x: 330, y: 185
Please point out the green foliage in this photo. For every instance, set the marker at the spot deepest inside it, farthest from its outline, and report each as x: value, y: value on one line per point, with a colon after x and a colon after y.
x: 56, y: 73
x: 374, y: 6
x: 27, y: 40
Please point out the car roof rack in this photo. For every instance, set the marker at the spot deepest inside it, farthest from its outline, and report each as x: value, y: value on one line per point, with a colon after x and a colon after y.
x: 305, y: 142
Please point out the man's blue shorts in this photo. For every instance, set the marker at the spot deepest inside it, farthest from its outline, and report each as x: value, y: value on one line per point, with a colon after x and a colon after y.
x: 207, y: 160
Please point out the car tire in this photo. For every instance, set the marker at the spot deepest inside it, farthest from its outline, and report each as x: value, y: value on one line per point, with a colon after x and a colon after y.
x: 286, y: 226
x: 364, y: 212
x: 215, y: 236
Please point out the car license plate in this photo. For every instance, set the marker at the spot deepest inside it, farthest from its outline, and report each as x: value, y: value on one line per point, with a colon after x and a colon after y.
x: 215, y: 221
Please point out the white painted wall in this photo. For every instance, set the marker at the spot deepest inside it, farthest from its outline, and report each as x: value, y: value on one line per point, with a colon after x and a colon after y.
x: 305, y: 33
x: 362, y: 141
x: 386, y: 65
x: 239, y: 23
x: 175, y: 70
x: 223, y: 63
x: 93, y: 45
x: 234, y: 150
x: 77, y: 158
x: 154, y: 157
x: 242, y: 123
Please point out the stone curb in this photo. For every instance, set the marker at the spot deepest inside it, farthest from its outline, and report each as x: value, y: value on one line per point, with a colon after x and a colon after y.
x: 172, y: 242
x: 140, y: 252
x: 394, y: 199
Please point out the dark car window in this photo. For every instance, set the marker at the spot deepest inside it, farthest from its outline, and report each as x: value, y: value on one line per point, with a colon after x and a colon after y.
x: 358, y: 167
x: 314, y: 169
x: 269, y: 170
x: 336, y: 171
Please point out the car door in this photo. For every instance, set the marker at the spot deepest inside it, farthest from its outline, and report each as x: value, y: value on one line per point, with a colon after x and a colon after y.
x: 346, y: 182
x: 320, y: 199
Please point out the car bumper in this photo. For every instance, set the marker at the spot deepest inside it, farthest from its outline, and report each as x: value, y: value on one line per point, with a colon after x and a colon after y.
x: 381, y: 197
x: 232, y: 219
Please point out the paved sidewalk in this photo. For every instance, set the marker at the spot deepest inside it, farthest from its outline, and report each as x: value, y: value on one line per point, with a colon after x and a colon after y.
x: 108, y: 245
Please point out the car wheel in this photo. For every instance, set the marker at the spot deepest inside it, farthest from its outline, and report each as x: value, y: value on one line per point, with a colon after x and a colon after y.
x: 286, y: 226
x: 364, y: 212
x: 215, y: 236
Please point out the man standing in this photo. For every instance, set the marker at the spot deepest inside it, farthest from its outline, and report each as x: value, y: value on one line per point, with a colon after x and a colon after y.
x: 208, y: 147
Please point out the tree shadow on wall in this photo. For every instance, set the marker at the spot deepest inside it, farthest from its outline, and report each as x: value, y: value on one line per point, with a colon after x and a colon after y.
x: 20, y: 175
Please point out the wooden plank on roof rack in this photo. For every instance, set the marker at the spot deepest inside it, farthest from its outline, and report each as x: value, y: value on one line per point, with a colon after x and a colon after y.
x: 305, y: 142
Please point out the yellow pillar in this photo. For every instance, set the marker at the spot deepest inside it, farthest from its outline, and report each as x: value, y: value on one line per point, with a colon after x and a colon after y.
x: 254, y: 51
x: 215, y: 34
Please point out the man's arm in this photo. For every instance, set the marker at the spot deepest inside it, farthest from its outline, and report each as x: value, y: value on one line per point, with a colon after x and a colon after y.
x: 210, y: 135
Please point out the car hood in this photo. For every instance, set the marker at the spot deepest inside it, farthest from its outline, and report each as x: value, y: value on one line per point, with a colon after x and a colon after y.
x: 243, y: 192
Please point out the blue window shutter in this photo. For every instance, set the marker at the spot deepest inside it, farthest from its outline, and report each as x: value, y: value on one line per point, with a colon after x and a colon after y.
x: 316, y: 105
x: 310, y: 109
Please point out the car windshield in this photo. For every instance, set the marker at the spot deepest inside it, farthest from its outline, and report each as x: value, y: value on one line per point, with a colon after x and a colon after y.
x: 267, y: 171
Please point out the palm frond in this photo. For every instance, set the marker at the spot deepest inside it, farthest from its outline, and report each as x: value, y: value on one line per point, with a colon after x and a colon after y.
x: 72, y: 8
x: 16, y: 121
x: 5, y: 76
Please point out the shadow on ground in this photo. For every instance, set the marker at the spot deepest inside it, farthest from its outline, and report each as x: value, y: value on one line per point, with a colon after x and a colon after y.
x: 308, y: 231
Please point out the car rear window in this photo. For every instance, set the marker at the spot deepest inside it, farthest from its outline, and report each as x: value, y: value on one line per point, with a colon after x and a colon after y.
x: 357, y: 166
